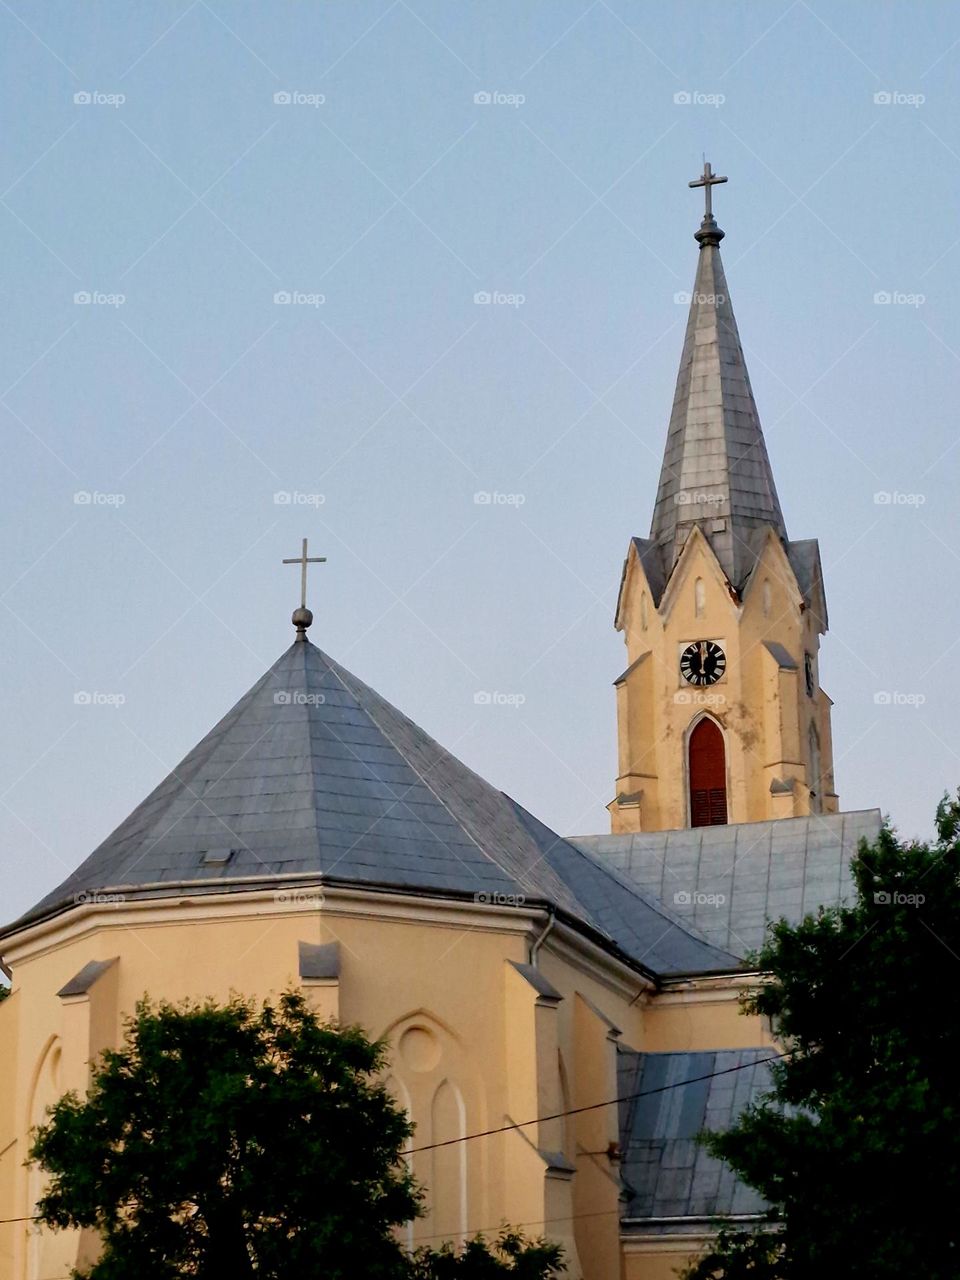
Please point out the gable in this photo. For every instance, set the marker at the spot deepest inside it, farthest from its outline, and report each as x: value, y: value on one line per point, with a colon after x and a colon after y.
x: 697, y: 559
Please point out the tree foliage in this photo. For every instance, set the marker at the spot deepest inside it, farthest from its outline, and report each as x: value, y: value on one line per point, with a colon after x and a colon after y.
x: 512, y: 1254
x: 857, y: 1146
x: 226, y: 1141
x: 231, y: 1141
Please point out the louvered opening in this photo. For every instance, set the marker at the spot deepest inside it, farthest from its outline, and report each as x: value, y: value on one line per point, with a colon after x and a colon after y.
x: 708, y: 776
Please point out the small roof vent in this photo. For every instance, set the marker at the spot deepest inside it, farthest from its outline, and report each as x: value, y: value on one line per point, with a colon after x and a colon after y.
x: 217, y: 857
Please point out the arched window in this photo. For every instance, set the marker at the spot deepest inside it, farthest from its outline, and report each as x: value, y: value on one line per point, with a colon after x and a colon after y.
x: 708, y: 776
x: 643, y: 610
x: 699, y: 597
x: 767, y: 596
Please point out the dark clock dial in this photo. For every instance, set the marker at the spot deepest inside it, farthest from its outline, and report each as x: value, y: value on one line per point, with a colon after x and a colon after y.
x: 702, y: 662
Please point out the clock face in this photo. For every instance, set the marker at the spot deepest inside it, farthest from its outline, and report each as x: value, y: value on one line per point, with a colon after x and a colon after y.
x: 702, y: 662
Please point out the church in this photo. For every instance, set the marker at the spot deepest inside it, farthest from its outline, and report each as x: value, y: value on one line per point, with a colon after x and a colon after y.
x: 577, y: 996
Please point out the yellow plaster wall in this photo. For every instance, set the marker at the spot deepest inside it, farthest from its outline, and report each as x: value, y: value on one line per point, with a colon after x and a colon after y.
x: 659, y: 1259
x: 11, y: 1154
x: 474, y: 1044
x: 695, y: 1020
x: 764, y: 711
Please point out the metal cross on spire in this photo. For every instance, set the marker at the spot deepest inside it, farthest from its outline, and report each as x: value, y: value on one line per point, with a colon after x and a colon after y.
x: 707, y: 180
x: 302, y: 617
x: 709, y: 232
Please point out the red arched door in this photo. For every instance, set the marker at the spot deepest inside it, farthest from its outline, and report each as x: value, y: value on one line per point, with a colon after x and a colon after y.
x: 708, y: 776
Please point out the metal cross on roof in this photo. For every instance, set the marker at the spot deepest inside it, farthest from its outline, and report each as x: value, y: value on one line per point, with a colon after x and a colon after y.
x: 303, y: 560
x: 707, y: 180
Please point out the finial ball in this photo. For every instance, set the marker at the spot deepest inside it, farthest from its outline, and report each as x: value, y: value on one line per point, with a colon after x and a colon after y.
x: 302, y: 618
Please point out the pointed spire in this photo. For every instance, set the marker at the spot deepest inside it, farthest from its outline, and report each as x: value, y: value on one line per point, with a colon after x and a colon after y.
x: 716, y: 472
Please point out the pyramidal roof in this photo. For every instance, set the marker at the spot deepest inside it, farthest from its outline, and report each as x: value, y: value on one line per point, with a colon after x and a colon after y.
x: 716, y: 472
x: 314, y: 774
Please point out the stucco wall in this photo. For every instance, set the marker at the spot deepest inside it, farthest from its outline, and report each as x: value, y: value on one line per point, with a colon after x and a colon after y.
x: 474, y: 1043
x: 764, y: 710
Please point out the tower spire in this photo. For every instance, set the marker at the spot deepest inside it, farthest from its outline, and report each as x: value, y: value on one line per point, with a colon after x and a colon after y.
x: 716, y: 472
x: 759, y: 745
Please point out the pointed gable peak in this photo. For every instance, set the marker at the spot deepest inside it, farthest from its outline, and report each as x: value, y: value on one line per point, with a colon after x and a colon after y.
x: 697, y: 557
x: 716, y: 473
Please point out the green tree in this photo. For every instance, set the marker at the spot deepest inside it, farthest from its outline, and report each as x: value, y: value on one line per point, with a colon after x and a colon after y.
x: 231, y: 1141
x: 510, y: 1255
x: 857, y: 1146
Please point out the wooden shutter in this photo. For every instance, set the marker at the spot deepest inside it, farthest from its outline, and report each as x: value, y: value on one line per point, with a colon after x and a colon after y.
x: 708, y: 776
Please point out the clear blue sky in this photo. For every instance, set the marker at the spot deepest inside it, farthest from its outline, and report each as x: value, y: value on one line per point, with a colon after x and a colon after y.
x: 397, y: 399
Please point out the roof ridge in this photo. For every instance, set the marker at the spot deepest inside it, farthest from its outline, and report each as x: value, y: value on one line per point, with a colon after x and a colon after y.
x: 336, y: 670
x: 187, y: 769
x: 654, y: 905
x: 465, y: 768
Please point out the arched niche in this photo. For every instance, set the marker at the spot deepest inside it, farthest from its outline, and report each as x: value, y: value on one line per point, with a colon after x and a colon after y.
x: 438, y: 1074
x: 448, y: 1176
x: 49, y: 1253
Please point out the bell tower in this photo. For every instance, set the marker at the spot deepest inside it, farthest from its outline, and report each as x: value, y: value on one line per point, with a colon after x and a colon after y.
x: 720, y: 713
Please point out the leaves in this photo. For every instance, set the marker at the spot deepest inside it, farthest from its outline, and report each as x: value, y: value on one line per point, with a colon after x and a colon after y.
x: 857, y: 1148
x: 227, y: 1140
x: 231, y: 1141
x: 510, y: 1255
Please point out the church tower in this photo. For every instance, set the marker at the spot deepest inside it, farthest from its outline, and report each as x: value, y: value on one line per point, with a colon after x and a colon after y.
x: 721, y: 718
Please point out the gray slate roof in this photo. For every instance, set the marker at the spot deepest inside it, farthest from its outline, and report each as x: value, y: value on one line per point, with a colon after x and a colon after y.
x: 716, y: 471
x: 666, y: 1172
x: 726, y: 882
x: 312, y: 772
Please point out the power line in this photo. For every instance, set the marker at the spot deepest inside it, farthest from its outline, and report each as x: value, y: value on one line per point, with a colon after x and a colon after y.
x: 557, y: 1115
x: 567, y: 1217
x: 595, y: 1106
x: 475, y: 1231
x: 570, y: 1217
x: 478, y: 1231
